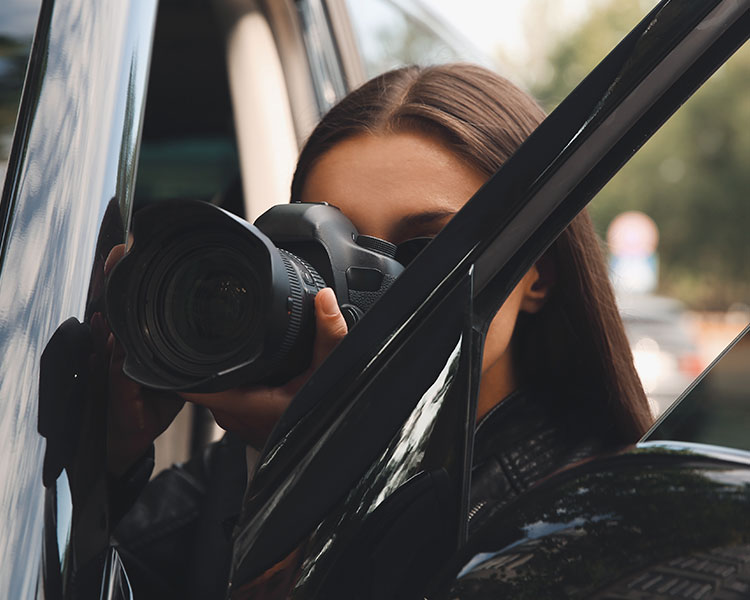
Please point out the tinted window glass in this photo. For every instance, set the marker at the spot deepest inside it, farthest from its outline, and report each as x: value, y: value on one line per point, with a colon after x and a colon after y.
x: 323, y: 60
x: 17, y: 23
x: 716, y: 411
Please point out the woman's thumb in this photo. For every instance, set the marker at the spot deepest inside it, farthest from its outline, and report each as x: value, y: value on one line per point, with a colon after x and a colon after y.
x: 330, y: 325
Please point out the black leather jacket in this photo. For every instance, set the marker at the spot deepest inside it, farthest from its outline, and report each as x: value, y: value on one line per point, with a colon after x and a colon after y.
x: 176, y: 540
x: 529, y: 435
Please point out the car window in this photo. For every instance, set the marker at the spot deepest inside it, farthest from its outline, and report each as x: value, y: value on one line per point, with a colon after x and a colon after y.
x: 715, y: 409
x: 17, y: 23
x: 673, y: 225
x: 322, y: 55
x: 392, y: 34
x: 575, y: 151
x: 188, y: 146
x: 673, y: 220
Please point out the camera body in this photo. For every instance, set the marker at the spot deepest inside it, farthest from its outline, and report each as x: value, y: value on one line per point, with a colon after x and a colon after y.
x: 205, y: 301
x: 358, y: 267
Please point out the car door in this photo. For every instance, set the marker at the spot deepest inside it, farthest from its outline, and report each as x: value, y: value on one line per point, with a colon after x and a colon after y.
x: 66, y: 194
x: 362, y: 489
x: 70, y: 190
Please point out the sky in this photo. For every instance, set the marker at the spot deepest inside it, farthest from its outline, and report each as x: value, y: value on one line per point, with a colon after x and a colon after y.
x: 521, y: 30
x: 18, y: 16
x: 496, y: 23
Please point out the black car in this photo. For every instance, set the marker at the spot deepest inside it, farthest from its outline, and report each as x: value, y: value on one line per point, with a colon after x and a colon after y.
x: 669, y: 517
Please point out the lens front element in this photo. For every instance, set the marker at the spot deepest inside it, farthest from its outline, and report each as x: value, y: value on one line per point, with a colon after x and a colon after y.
x: 211, y: 303
x: 203, y: 302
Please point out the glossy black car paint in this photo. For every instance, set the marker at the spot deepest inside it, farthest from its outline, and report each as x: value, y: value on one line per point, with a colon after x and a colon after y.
x: 64, y: 205
x: 308, y: 467
x: 425, y: 415
x: 661, y: 519
x: 653, y: 522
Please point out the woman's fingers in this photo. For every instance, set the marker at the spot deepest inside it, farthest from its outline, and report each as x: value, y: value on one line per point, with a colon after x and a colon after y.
x: 259, y: 397
x: 250, y: 412
x: 114, y: 255
x: 137, y: 415
x: 330, y: 326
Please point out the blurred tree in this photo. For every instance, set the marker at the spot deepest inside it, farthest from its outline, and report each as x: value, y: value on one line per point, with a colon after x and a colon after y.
x: 13, y: 55
x: 692, y: 177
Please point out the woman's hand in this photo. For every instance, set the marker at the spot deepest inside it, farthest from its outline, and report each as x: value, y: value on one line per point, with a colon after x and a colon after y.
x: 136, y: 415
x: 252, y: 411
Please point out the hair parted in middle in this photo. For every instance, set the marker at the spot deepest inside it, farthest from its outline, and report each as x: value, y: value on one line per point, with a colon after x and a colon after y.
x: 577, y: 339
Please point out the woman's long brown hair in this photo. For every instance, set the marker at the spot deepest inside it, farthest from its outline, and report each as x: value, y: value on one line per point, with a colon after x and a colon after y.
x: 577, y: 340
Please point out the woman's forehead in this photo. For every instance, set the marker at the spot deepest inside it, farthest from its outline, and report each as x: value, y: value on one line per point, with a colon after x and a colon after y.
x: 387, y: 182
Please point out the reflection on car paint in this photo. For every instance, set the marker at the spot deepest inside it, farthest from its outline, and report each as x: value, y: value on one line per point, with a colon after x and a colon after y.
x: 63, y: 173
x: 661, y: 514
x: 422, y: 465
x: 115, y: 585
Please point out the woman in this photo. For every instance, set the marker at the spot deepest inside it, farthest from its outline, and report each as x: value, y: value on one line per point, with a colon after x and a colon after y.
x: 401, y: 155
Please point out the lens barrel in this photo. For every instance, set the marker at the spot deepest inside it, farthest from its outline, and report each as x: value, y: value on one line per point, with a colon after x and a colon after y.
x: 204, y: 301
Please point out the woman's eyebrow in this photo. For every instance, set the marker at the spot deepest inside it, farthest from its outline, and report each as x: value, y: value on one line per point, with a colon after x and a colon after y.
x: 409, y: 223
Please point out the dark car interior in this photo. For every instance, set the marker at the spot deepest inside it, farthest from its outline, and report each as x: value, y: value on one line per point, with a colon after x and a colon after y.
x: 188, y: 147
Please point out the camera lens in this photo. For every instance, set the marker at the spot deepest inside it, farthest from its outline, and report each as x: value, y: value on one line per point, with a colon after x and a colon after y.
x: 211, y: 303
x: 203, y: 302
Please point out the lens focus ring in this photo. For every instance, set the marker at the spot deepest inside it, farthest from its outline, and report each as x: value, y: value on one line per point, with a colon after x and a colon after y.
x: 300, y: 275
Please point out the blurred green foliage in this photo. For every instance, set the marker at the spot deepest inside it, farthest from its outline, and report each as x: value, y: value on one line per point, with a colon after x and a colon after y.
x: 692, y: 177
x: 13, y: 56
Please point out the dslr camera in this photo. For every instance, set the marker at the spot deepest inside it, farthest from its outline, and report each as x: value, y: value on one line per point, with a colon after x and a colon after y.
x: 204, y: 301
